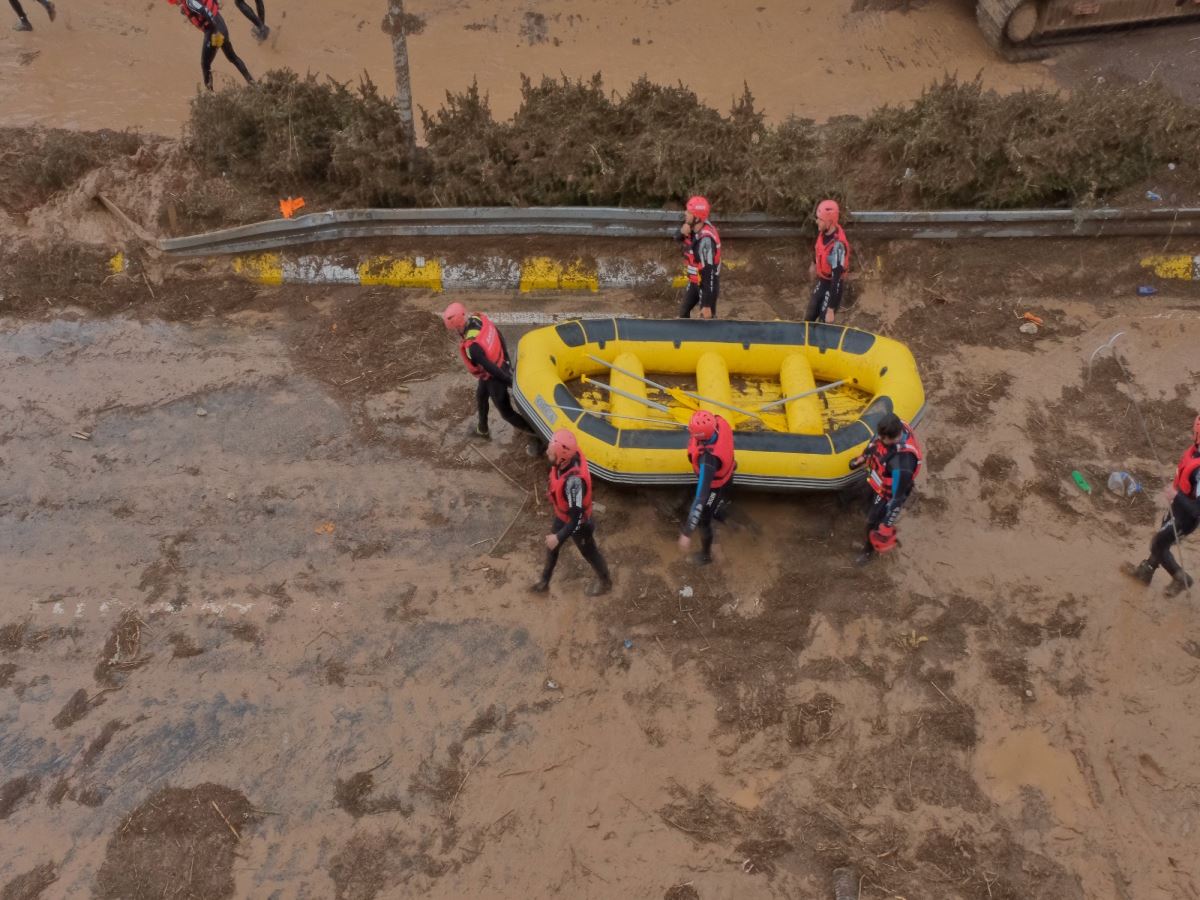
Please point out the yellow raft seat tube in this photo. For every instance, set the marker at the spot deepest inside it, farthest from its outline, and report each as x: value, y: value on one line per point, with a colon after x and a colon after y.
x: 623, y: 406
x: 712, y: 381
x: 803, y: 415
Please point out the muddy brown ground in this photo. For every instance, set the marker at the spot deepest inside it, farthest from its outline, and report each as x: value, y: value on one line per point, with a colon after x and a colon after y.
x: 258, y: 638
x: 129, y: 63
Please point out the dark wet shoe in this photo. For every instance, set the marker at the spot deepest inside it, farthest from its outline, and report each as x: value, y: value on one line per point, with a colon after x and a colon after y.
x: 480, y: 432
x: 864, y: 557
x: 1180, y: 583
x: 1142, y: 572
x: 531, y: 450
x: 701, y: 559
x: 22, y: 25
x: 50, y: 10
x: 540, y: 587
x: 261, y: 34
x: 599, y: 586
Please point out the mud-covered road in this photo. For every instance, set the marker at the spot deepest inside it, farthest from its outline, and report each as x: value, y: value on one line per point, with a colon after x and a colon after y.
x: 265, y: 632
x: 129, y: 64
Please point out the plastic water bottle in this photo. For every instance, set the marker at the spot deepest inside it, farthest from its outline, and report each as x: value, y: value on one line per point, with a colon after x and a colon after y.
x: 1147, y: 291
x: 1150, y: 195
x: 1123, y: 483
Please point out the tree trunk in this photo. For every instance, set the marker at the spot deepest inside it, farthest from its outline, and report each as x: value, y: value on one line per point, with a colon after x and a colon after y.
x: 404, y: 102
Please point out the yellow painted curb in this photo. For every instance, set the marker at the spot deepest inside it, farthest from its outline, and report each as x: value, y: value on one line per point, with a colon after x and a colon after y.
x: 265, y: 268
x: 393, y: 272
x: 1181, y: 267
x: 541, y: 273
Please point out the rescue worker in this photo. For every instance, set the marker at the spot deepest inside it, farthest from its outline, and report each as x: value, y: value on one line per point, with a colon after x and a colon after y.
x: 831, y: 262
x: 893, y: 459
x: 701, y: 245
x: 570, y: 496
x: 260, y: 31
x: 710, y: 451
x: 486, y: 357
x: 1181, y: 519
x: 206, y: 15
x: 23, y: 23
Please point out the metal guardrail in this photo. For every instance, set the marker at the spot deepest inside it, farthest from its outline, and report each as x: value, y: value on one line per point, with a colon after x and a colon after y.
x: 601, y: 222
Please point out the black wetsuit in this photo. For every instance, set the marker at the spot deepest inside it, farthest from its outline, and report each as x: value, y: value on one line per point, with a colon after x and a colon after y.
x: 495, y: 389
x: 701, y: 253
x: 577, y: 528
x: 259, y: 19
x: 708, y: 503
x: 885, y: 510
x: 215, y: 24
x: 1181, y: 521
x: 16, y: 5
x: 827, y: 294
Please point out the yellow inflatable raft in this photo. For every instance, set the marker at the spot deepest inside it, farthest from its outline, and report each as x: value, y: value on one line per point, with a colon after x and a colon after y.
x: 803, y: 398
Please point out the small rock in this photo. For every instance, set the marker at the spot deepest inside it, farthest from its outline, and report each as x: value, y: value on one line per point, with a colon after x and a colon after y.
x: 202, y: 412
x: 686, y: 591
x: 231, y: 497
x: 551, y: 684
x: 1028, y: 328
x: 1029, y: 694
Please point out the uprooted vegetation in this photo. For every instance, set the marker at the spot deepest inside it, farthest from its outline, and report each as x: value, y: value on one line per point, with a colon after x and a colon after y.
x: 39, y: 162
x: 178, y: 843
x: 579, y: 143
x: 574, y: 142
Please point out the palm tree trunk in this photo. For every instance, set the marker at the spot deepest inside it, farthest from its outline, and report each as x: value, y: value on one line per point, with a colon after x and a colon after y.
x: 399, y: 33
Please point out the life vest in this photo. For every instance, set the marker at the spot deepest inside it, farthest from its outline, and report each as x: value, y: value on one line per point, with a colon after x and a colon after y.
x: 821, y: 252
x: 1188, y: 472
x: 487, y: 336
x: 558, y: 483
x: 720, y: 445
x: 693, y: 265
x: 879, y: 455
x: 192, y: 11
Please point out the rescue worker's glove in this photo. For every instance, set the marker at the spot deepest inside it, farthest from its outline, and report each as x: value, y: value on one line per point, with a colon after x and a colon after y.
x: 217, y: 41
x: 883, y: 538
x: 858, y: 462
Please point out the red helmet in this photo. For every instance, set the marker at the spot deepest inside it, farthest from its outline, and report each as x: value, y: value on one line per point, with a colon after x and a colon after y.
x: 703, y: 424
x: 455, y: 317
x: 563, y: 444
x: 1196, y: 430
x: 699, y: 207
x: 828, y: 211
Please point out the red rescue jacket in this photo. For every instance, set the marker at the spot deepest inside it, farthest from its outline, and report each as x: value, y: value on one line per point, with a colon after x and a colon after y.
x: 558, y: 483
x: 721, y: 448
x: 194, y: 11
x: 821, y: 251
x: 1188, y: 472
x: 879, y: 454
x: 488, y: 337
x: 693, y: 264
